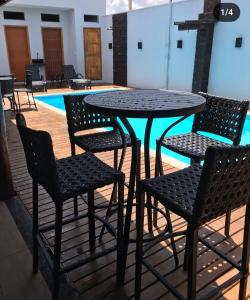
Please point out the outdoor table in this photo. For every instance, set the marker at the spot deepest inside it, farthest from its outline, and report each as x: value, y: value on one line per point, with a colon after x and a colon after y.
x: 149, y: 104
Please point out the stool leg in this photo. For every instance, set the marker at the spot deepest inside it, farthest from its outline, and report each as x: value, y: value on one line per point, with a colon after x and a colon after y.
x: 170, y: 230
x: 245, y: 255
x: 108, y: 212
x: 34, y: 101
x: 157, y: 172
x: 140, y: 199
x: 57, y: 251
x: 227, y: 224
x: 192, y: 263
x: 28, y: 98
x: 91, y: 217
x: 113, y: 198
x: 115, y: 167
x: 75, y: 207
x: 73, y: 148
x: 120, y: 232
x: 185, y: 262
x: 18, y: 100
x: 35, y: 226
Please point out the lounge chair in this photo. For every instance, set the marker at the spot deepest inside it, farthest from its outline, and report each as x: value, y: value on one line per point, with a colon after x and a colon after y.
x: 38, y: 81
x: 75, y: 80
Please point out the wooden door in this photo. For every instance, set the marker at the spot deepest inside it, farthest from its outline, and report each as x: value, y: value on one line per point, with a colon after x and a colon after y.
x: 93, y: 55
x: 53, y: 51
x: 17, y: 42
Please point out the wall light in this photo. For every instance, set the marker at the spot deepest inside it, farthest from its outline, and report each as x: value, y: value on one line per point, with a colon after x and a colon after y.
x: 238, y: 42
x: 140, y: 45
x: 179, y: 44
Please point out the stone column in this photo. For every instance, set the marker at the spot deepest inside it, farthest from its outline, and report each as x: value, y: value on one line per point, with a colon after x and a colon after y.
x: 204, y: 44
x: 120, y: 49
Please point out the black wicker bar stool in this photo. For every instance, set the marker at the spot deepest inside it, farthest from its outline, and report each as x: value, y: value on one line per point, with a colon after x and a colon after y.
x: 79, y: 120
x: 200, y: 194
x: 65, y: 179
x: 223, y: 116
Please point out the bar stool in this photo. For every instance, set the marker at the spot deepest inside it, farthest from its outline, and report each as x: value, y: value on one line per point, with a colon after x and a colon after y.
x: 224, y: 117
x: 64, y: 179
x: 200, y: 194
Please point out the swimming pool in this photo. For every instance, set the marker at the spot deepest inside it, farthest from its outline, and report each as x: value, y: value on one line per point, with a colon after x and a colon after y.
x: 159, y: 125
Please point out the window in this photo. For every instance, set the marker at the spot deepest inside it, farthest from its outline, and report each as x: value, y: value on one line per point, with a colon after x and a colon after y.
x: 13, y: 15
x: 50, y: 18
x: 91, y: 18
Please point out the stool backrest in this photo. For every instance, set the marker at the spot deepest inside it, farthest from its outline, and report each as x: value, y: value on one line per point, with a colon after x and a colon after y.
x: 224, y: 183
x: 223, y: 116
x: 79, y: 119
x: 39, y: 155
x: 28, y: 80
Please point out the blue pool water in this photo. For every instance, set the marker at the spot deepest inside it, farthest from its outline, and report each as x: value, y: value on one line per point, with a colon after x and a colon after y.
x: 158, y: 127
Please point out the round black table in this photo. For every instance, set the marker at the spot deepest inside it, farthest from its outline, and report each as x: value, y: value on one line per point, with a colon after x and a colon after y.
x: 149, y: 104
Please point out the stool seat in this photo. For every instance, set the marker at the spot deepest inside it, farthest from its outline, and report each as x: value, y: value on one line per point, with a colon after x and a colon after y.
x: 80, y: 173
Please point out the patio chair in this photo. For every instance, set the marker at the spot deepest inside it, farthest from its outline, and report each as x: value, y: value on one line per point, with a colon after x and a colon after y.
x: 223, y: 117
x: 74, y: 80
x: 7, y: 90
x: 64, y: 179
x: 79, y: 121
x: 199, y: 195
x: 38, y: 82
x: 28, y: 89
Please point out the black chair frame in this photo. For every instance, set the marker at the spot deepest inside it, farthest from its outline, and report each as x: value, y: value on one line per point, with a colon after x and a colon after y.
x: 222, y: 185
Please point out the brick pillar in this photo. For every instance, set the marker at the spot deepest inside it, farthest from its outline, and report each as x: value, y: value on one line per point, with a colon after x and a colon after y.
x: 204, y: 44
x: 120, y: 49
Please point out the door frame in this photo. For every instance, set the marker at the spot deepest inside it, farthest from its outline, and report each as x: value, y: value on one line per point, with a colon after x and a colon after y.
x: 28, y: 40
x: 84, y: 47
x: 61, y: 30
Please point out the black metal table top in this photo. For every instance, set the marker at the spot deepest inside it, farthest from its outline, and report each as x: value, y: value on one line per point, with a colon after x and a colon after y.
x: 145, y: 103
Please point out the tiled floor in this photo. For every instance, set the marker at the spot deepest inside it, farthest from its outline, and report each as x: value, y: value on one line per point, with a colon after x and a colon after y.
x: 16, y: 279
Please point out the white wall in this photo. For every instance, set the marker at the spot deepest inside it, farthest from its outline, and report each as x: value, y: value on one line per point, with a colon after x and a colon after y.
x: 107, y: 54
x: 147, y: 67
x: 71, y: 21
x: 181, y: 65
x: 230, y: 66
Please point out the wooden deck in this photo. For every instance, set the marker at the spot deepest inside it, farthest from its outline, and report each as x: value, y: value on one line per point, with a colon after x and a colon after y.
x: 96, y: 280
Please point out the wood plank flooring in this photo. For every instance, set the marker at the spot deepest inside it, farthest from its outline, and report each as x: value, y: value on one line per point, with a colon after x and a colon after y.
x: 96, y: 280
